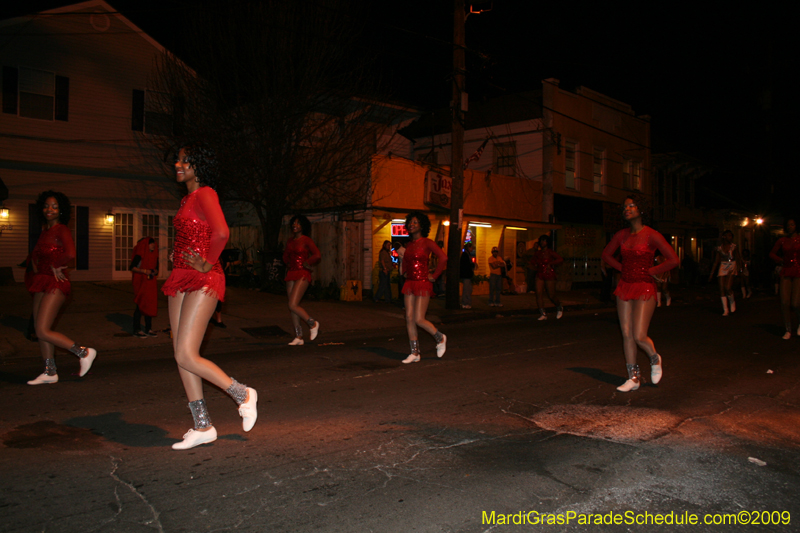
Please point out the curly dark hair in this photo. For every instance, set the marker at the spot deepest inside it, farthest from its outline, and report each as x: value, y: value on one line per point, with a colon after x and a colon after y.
x: 64, y: 206
x: 641, y: 202
x: 548, y: 240
x: 204, y: 162
x: 424, y: 222
x: 305, y: 225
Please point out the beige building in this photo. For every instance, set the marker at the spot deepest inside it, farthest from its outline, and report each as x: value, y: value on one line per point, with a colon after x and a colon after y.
x: 75, y: 118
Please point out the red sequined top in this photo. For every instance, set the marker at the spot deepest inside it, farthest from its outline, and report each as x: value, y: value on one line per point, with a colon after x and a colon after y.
x: 544, y: 261
x: 55, y: 248
x: 415, y: 260
x: 790, y: 247
x: 298, y: 251
x: 199, y: 225
x: 638, y: 251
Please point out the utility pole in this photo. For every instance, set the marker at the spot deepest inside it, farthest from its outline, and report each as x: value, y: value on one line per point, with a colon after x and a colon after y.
x: 457, y: 160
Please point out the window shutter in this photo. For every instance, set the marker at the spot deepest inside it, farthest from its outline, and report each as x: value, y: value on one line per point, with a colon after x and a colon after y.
x: 34, y: 226
x: 137, y: 114
x: 10, y: 84
x: 62, y: 98
x: 82, y: 238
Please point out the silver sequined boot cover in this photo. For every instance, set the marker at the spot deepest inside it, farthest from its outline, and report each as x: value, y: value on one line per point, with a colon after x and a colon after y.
x: 311, y: 322
x: 414, y: 347
x: 200, y: 414
x: 80, y: 351
x: 438, y: 336
x: 654, y: 359
x: 50, y: 367
x: 298, y: 332
x: 634, y: 373
x: 237, y: 391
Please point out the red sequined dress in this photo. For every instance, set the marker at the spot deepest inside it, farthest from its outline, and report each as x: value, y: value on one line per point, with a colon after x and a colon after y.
x: 55, y: 248
x: 544, y: 262
x: 638, y: 251
x: 415, y: 266
x: 790, y: 246
x: 298, y: 251
x: 199, y: 225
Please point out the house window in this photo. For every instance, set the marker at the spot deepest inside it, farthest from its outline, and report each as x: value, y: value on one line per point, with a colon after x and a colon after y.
x: 598, y: 169
x: 636, y: 175
x: 123, y: 241
x: 505, y: 158
x: 570, y: 165
x: 156, y: 113
x: 34, y: 93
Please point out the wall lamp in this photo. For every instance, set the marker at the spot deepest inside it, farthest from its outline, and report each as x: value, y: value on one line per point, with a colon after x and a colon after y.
x: 4, y: 217
x: 109, y: 219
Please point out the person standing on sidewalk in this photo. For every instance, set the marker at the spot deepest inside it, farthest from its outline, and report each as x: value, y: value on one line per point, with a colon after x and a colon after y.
x: 496, y: 267
x: 544, y: 260
x: 401, y: 275
x: 299, y: 256
x: 49, y: 284
x: 789, y: 260
x: 730, y: 262
x: 194, y: 286
x: 466, y: 273
x: 418, y: 287
x: 144, y: 269
x: 385, y: 265
x: 636, y: 290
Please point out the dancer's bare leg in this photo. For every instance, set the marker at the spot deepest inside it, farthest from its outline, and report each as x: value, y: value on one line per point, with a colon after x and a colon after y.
x: 189, y: 314
x: 642, y: 313
x: 625, y: 314
x: 45, y: 310
x: 540, y: 294
x: 550, y: 288
x: 786, y: 290
x: 411, y: 323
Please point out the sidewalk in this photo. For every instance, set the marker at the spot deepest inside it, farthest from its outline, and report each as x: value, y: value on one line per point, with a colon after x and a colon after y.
x: 100, y: 314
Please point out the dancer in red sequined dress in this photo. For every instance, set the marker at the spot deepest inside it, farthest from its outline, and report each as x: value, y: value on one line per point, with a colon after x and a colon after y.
x: 299, y: 256
x: 418, y: 287
x: 544, y: 262
x: 636, y: 291
x: 193, y: 288
x: 49, y: 284
x: 789, y: 258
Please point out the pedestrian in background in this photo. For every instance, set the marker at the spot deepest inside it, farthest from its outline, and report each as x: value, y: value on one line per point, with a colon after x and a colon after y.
x: 496, y: 266
x: 729, y: 261
x: 418, y: 288
x: 789, y: 261
x: 466, y: 273
x: 49, y: 284
x: 193, y: 288
x: 144, y: 269
x: 385, y: 266
x: 299, y: 256
x: 400, y: 250
x: 545, y: 260
x: 636, y: 290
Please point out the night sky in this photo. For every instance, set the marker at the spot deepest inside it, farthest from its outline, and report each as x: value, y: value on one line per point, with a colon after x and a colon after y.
x: 714, y: 78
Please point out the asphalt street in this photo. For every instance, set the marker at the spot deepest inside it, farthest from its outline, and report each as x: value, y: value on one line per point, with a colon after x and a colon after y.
x: 520, y: 418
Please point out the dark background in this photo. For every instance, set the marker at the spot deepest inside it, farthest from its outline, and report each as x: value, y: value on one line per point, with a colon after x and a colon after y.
x: 716, y: 79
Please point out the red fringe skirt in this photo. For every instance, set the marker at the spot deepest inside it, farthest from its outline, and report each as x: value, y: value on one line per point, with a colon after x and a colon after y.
x: 640, y: 290
x: 294, y: 275
x: 189, y: 280
x: 418, y: 288
x: 47, y: 283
